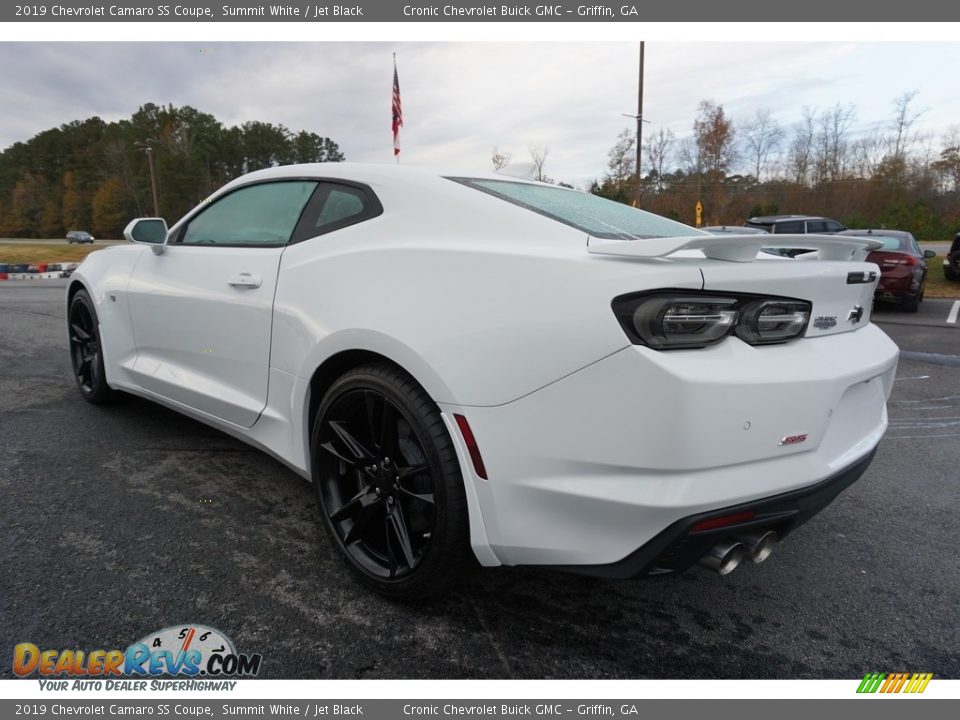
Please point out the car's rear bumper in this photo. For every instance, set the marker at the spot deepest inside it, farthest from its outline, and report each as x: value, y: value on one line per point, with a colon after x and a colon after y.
x: 682, y: 544
x: 588, y: 469
x: 898, y: 288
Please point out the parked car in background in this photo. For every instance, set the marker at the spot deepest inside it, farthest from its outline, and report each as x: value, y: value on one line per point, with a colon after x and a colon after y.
x: 511, y: 370
x: 796, y: 224
x: 903, y: 266
x: 79, y: 236
x: 951, y: 265
x: 733, y: 230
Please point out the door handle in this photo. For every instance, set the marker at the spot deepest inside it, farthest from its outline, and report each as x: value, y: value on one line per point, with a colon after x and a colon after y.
x: 244, y: 280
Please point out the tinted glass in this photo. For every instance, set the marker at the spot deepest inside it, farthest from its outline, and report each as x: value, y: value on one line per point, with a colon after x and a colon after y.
x: 594, y: 215
x: 892, y: 243
x: 341, y: 204
x: 263, y: 214
x: 834, y: 226
x: 816, y: 226
x: 791, y: 226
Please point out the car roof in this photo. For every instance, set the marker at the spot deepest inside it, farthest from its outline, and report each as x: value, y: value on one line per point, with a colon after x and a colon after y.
x: 778, y: 218
x: 735, y: 229
x: 371, y: 173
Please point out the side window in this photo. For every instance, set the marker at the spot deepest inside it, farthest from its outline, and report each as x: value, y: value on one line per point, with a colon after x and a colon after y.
x: 258, y: 215
x: 335, y: 206
x: 833, y: 227
x: 816, y: 226
x: 791, y: 226
x: 342, y: 204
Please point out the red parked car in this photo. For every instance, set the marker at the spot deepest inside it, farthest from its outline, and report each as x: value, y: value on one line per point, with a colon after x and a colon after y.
x: 903, y: 266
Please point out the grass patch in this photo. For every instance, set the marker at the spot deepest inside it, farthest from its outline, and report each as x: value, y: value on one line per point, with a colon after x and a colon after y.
x: 937, y: 285
x: 44, y: 253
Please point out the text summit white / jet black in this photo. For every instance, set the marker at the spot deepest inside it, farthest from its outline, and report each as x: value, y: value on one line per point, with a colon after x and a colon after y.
x: 474, y: 366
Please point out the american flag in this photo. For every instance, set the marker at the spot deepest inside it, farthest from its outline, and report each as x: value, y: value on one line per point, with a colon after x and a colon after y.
x: 397, y: 110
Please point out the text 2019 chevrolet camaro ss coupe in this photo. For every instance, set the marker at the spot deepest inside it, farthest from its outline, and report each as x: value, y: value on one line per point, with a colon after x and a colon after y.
x: 510, y: 370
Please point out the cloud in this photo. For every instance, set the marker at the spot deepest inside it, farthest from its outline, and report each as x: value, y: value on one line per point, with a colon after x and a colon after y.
x: 462, y: 99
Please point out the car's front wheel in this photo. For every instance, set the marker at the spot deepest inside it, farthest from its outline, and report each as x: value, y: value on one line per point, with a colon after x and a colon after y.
x: 86, y: 355
x: 389, y: 484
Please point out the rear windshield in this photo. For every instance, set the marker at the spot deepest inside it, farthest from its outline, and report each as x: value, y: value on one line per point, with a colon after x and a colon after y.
x: 890, y: 243
x: 592, y: 214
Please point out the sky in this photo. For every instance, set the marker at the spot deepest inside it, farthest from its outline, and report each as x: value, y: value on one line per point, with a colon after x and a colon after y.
x: 460, y: 100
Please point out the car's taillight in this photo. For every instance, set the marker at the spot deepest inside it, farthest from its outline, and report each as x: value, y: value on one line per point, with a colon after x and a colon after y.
x: 678, y: 322
x: 893, y: 259
x: 674, y: 320
x: 773, y: 321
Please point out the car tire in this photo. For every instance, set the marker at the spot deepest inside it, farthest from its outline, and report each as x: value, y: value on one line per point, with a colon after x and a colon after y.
x: 86, y: 356
x: 389, y: 485
x: 911, y: 303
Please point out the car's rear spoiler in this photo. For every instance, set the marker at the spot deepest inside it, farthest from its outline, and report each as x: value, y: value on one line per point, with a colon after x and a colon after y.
x: 739, y: 248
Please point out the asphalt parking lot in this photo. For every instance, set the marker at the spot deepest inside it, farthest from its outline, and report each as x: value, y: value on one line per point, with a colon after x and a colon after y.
x: 118, y: 521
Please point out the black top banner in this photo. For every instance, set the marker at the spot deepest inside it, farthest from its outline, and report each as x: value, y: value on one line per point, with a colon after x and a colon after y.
x: 398, y: 11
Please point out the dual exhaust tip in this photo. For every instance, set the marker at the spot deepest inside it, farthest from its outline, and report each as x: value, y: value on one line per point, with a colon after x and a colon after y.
x: 724, y: 557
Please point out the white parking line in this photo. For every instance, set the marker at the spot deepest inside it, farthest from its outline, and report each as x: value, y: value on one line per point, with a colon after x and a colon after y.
x: 952, y: 315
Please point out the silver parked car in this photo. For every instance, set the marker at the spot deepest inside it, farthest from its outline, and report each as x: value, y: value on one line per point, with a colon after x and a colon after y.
x: 80, y: 237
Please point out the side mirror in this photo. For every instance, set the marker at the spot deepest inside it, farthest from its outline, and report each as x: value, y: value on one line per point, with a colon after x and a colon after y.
x: 148, y: 231
x: 929, y: 253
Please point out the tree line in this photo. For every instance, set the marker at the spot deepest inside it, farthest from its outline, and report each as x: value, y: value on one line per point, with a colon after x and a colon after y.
x: 889, y: 176
x: 94, y: 175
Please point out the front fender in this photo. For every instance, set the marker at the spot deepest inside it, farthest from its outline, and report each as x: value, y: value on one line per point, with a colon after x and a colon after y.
x: 105, y: 275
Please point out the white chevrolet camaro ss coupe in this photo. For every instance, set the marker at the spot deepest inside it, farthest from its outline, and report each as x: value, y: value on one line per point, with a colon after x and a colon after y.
x: 481, y: 367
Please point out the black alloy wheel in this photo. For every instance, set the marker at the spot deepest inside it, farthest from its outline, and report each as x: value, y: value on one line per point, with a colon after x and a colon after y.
x: 389, y: 484
x: 85, y: 350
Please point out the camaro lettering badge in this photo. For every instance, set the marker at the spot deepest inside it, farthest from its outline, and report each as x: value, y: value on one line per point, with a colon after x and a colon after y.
x: 794, y: 439
x: 825, y: 322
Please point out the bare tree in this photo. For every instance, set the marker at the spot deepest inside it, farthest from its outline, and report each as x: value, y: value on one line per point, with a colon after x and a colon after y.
x: 658, y: 149
x: 689, y: 156
x: 903, y: 119
x: 867, y: 154
x: 831, y: 149
x: 621, y: 160
x: 948, y: 166
x: 500, y: 160
x: 538, y: 155
x: 762, y: 136
x: 800, y: 155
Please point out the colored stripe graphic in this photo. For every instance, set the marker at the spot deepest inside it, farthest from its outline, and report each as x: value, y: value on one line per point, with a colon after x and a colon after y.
x: 894, y: 683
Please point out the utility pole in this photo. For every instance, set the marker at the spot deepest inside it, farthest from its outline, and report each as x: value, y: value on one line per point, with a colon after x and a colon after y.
x: 636, y: 200
x: 153, y: 182
x: 640, y: 121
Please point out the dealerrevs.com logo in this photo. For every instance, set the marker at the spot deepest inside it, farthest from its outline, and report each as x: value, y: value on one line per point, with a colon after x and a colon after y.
x: 186, y: 651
